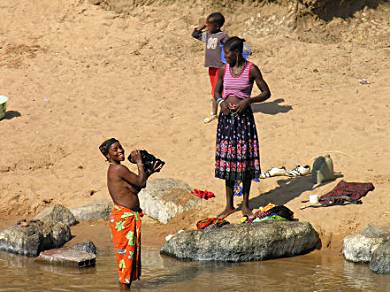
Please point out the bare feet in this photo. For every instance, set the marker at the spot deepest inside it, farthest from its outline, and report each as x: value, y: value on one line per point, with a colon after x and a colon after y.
x: 226, y: 212
x: 246, y: 211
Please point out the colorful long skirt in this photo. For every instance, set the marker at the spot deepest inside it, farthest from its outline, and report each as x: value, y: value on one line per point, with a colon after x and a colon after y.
x: 125, y: 225
x: 237, y: 153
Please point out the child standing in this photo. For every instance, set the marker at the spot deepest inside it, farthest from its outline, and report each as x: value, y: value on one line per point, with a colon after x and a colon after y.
x: 214, y: 39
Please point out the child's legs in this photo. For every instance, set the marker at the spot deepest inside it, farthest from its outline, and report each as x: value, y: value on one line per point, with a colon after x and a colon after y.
x: 213, y: 74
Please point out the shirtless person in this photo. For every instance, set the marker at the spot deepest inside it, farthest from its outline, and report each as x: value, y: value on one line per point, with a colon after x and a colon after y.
x: 125, y: 219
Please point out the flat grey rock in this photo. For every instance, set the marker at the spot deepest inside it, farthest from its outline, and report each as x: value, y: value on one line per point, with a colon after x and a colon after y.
x: 243, y: 242
x: 56, y: 213
x: 87, y: 246
x: 380, y: 260
x: 37, y: 236
x: 359, y: 248
x: 92, y: 212
x: 163, y: 199
x: 68, y: 257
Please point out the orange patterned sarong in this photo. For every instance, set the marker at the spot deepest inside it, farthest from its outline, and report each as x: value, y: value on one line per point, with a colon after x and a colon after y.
x: 125, y: 226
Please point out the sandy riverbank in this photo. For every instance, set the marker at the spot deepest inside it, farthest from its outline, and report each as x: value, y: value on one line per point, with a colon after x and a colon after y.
x: 77, y: 74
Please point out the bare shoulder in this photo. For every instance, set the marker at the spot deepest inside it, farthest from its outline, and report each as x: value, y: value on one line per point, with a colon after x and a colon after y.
x: 255, y: 71
x: 117, y: 170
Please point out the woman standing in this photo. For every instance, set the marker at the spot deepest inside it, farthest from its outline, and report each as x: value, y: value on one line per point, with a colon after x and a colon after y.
x: 237, y: 151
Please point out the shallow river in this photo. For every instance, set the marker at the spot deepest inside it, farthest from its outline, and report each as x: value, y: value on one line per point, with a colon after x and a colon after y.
x: 312, y: 272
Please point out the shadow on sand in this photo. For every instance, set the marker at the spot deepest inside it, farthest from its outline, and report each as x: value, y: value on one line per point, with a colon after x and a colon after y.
x: 9, y: 115
x: 271, y: 108
x: 287, y: 190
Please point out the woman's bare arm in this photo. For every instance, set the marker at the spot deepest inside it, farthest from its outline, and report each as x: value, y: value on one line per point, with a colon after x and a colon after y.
x: 261, y: 84
x: 132, y: 178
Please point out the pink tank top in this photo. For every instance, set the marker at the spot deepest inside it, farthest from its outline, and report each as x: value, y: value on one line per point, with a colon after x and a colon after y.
x: 240, y: 86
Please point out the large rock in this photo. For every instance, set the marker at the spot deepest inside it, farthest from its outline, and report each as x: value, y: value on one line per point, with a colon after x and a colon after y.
x: 92, y: 212
x: 68, y: 257
x: 360, y: 247
x: 163, y: 199
x: 244, y: 242
x: 380, y: 260
x: 37, y: 236
x: 56, y: 213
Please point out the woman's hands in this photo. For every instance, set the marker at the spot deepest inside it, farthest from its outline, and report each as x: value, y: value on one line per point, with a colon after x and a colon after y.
x: 235, y: 108
x: 136, y: 156
x: 243, y: 105
x: 224, y: 108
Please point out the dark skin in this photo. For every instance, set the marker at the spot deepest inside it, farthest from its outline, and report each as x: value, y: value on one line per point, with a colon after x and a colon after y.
x: 123, y: 184
x: 211, y: 27
x: 237, y: 105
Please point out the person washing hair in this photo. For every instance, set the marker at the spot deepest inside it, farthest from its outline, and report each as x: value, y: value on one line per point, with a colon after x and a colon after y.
x: 237, y: 145
x: 125, y: 220
x: 211, y: 34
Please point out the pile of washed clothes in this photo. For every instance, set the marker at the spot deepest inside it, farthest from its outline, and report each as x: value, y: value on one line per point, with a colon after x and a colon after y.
x: 269, y: 212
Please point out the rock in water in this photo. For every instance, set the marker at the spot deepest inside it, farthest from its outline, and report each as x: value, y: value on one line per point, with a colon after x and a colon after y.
x: 237, y: 243
x: 35, y: 237
x: 68, y: 257
x: 57, y: 213
x: 163, y: 199
x: 87, y: 246
x: 380, y: 260
x: 359, y: 248
x: 92, y: 212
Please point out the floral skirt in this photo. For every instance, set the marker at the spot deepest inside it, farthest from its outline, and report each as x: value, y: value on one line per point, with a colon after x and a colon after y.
x: 237, y: 153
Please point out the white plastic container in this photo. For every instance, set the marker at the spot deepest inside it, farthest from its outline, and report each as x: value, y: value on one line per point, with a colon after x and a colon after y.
x: 314, y: 199
x: 3, y: 106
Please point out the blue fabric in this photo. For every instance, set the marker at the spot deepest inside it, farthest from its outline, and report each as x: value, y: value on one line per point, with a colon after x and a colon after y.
x: 238, y: 190
x: 246, y: 52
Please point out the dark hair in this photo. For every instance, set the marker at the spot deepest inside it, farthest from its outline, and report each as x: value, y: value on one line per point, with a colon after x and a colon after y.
x: 105, y: 146
x: 234, y: 43
x: 216, y: 18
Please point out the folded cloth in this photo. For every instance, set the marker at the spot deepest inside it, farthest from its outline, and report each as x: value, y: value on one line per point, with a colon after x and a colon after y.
x: 218, y: 222
x: 271, y: 218
x: 203, y: 194
x: 344, y: 190
x: 268, y: 207
x: 282, y: 211
x: 125, y: 225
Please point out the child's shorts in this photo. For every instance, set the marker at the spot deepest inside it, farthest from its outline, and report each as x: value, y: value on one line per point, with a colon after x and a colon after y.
x: 213, y: 73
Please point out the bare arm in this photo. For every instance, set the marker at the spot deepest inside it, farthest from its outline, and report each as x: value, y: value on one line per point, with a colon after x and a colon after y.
x: 261, y: 84
x: 132, y: 178
x: 197, y: 33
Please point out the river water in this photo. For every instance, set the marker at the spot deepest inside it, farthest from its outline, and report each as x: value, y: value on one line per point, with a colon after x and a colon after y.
x: 311, y: 272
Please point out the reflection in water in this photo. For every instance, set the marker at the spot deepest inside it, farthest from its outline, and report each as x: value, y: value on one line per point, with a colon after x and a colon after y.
x: 313, y: 272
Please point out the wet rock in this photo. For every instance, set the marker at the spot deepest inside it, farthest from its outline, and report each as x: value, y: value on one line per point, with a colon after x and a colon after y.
x: 92, y: 212
x: 87, y: 246
x: 359, y: 248
x: 380, y: 260
x: 163, y: 199
x: 68, y: 257
x: 56, y: 213
x: 244, y: 242
x: 34, y: 237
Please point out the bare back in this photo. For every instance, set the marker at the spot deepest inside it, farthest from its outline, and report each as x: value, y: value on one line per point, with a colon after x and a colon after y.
x: 122, y: 192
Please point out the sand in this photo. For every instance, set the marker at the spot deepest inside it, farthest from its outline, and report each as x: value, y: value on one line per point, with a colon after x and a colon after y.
x: 77, y: 74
